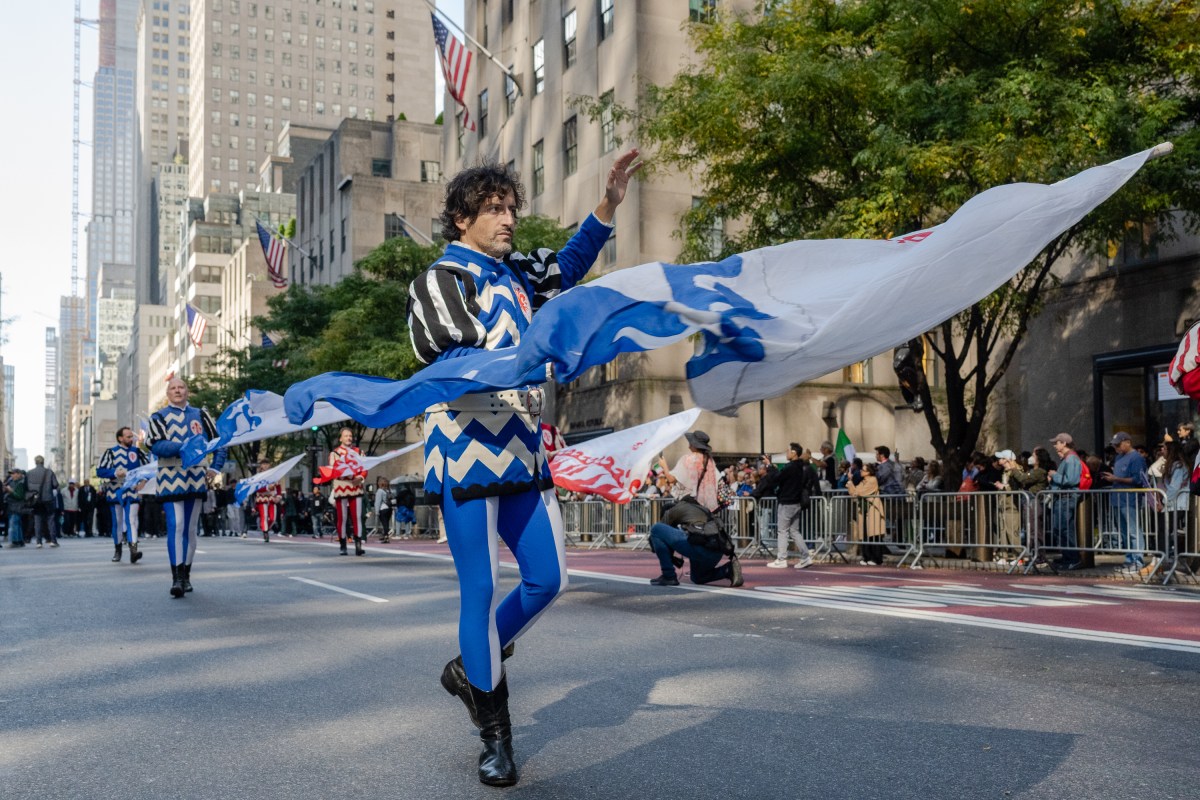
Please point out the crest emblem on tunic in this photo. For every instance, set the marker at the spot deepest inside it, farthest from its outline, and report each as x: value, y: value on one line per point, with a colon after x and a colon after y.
x: 195, y: 426
x: 523, y: 302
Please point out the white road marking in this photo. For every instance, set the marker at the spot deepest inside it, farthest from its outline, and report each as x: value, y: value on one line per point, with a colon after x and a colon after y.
x: 332, y: 588
x: 764, y: 593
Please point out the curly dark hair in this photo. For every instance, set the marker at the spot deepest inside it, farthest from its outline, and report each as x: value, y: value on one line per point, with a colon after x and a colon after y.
x: 470, y: 189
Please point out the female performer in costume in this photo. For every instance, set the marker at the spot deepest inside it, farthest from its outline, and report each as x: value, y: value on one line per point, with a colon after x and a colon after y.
x: 348, y: 477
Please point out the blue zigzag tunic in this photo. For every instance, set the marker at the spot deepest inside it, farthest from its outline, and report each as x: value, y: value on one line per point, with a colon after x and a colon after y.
x: 469, y: 301
x: 170, y: 427
x: 114, y: 458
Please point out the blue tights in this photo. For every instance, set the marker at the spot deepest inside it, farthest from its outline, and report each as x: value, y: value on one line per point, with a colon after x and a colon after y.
x: 531, y: 527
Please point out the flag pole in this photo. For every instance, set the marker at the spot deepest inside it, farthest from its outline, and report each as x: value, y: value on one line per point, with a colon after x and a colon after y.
x: 408, y: 226
x: 478, y: 46
x: 267, y: 225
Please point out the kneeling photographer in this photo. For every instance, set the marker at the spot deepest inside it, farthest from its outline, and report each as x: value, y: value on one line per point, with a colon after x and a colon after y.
x: 688, y: 530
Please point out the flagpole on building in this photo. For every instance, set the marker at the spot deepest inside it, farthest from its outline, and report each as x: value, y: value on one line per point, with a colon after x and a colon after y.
x: 477, y: 45
x: 408, y: 226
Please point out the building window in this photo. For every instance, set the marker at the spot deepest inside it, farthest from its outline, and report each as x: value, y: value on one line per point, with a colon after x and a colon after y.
x: 610, y: 249
x: 381, y: 167
x: 539, y: 169
x: 857, y: 373
x: 606, y: 19
x: 510, y: 94
x: 714, y: 236
x: 568, y: 30
x: 570, y: 147
x: 608, y: 123
x: 343, y: 234
x: 702, y: 10
x: 483, y: 113
x: 539, y: 67
x: 431, y: 172
x: 392, y: 226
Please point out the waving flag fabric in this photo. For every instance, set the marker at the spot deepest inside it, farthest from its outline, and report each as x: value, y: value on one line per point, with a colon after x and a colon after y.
x: 767, y: 319
x: 615, y: 465
x: 354, y: 464
x: 147, y: 473
x: 257, y: 415
x: 843, y: 450
x: 274, y: 251
x: 247, y: 486
x: 196, y: 323
x: 456, y: 66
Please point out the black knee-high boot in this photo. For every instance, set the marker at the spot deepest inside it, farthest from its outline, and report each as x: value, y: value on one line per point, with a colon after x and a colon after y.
x: 342, y: 551
x: 454, y: 681
x: 134, y: 553
x: 117, y: 556
x: 185, y: 570
x: 358, y: 546
x: 496, y: 766
x: 177, y: 589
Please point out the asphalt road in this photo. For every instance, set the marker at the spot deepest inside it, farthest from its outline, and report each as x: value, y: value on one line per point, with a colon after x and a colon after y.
x: 260, y: 685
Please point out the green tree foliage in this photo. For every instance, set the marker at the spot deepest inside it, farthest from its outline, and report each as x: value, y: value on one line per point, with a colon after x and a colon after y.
x: 872, y: 118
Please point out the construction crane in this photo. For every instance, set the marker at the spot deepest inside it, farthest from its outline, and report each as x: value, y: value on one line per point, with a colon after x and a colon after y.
x: 80, y: 23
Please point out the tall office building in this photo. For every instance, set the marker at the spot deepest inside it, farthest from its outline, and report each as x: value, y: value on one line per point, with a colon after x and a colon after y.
x: 163, y: 35
x: 110, y: 232
x: 72, y: 322
x: 5, y: 425
x: 50, y: 433
x: 10, y: 397
x: 257, y: 65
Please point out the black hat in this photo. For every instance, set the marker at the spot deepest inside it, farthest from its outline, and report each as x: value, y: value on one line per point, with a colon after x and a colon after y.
x: 698, y: 440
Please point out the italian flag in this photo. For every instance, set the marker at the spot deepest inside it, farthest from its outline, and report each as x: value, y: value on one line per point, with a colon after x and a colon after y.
x: 842, y: 448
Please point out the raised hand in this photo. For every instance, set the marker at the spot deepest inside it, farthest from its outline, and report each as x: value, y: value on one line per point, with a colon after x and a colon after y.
x: 618, y: 182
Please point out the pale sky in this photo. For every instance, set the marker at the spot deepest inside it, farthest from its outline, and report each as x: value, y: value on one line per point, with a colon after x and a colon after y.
x: 36, y: 58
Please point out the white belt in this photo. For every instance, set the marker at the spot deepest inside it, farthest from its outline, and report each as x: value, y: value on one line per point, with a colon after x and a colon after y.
x: 520, y: 401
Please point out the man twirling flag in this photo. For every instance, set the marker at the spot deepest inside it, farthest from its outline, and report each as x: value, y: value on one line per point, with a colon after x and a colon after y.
x: 274, y: 251
x: 456, y: 66
x: 767, y: 319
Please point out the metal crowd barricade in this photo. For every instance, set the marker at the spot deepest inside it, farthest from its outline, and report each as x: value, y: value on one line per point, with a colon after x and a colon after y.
x: 1081, y: 525
x: 763, y: 539
x: 1183, y: 547
x: 887, y: 520
x: 974, y: 527
x: 639, y: 514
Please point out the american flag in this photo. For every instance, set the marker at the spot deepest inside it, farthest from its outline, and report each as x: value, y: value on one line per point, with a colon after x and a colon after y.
x: 456, y: 65
x: 274, y: 250
x: 196, y: 323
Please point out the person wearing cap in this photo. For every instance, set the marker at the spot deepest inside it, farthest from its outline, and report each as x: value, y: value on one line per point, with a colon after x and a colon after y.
x: 1128, y: 472
x: 70, y: 504
x: 1008, y: 514
x: 695, y: 473
x: 1065, y: 478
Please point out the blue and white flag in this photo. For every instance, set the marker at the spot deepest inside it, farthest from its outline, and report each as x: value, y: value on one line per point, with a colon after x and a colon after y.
x: 256, y: 415
x: 247, y: 486
x: 767, y: 319
x: 146, y: 472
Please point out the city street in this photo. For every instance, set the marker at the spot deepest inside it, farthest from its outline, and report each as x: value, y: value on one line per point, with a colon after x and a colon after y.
x: 292, y: 672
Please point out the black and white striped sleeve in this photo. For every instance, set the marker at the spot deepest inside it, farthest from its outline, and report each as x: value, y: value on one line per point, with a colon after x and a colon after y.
x: 443, y: 313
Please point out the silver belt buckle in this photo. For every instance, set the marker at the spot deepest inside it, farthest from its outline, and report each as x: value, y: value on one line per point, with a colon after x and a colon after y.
x: 533, y: 401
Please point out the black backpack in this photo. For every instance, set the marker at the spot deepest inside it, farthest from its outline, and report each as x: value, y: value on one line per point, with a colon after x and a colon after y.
x: 711, y: 535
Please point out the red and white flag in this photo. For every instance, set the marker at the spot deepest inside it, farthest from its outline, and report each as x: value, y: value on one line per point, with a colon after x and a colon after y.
x: 456, y: 66
x: 613, y: 466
